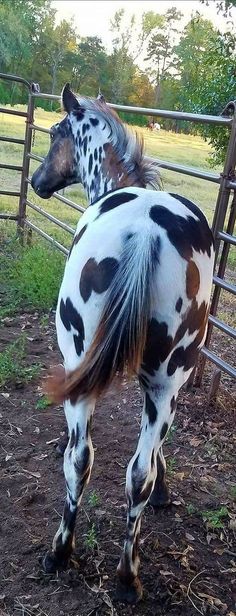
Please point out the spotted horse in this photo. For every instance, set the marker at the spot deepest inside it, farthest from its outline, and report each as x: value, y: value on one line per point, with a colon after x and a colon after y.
x: 134, y: 299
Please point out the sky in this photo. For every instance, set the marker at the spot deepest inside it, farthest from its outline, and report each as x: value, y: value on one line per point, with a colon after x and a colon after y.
x: 92, y: 17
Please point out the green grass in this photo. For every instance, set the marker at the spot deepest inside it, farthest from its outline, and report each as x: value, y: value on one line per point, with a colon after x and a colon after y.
x: 91, y: 538
x: 170, y: 465
x: 12, y: 367
x: 93, y: 499
x: 191, y: 509
x: 215, y: 519
x: 42, y: 403
x: 29, y: 278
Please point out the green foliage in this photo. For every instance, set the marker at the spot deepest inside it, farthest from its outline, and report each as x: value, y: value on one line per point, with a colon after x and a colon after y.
x: 223, y: 6
x: 171, y: 434
x: 206, y: 62
x: 191, y: 509
x: 91, y: 538
x: 93, y: 499
x: 215, y: 519
x: 31, y: 277
x: 42, y: 403
x: 12, y: 367
x: 170, y: 465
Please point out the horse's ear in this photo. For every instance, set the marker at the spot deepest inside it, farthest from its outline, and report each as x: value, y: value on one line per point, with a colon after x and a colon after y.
x: 69, y: 100
x: 100, y: 97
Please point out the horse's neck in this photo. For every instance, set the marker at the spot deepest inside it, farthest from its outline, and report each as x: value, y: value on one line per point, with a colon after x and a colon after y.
x: 101, y: 171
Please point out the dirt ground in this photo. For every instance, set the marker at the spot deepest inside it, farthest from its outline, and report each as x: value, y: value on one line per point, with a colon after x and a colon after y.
x: 188, y: 566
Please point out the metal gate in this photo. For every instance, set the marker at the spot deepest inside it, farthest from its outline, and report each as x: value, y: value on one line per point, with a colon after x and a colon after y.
x: 227, y: 187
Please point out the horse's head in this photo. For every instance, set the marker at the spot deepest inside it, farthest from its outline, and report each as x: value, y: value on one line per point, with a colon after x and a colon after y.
x: 92, y: 146
x: 59, y: 168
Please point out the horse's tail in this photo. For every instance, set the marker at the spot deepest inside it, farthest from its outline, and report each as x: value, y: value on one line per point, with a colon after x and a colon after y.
x: 119, y: 340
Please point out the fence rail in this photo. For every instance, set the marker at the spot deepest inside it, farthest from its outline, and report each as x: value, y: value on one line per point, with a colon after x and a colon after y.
x: 224, y: 239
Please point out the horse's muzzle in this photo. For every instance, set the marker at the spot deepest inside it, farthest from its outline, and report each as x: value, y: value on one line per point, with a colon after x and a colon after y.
x: 40, y: 185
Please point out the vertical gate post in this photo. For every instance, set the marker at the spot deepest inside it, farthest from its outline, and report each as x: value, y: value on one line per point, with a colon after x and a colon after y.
x: 227, y: 175
x: 25, y: 167
x: 218, y: 225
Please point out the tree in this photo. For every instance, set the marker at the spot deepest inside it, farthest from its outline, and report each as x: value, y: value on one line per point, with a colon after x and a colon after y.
x: 54, y: 54
x: 122, y: 67
x: 90, y: 71
x: 223, y: 6
x: 216, y: 90
x: 206, y: 65
x: 160, y: 49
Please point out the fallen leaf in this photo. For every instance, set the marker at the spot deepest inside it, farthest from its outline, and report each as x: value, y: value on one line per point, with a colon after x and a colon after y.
x: 195, y: 442
x: 179, y: 476
x: 37, y: 475
x: 5, y: 395
x: 189, y: 537
x: 232, y: 524
x: 219, y: 551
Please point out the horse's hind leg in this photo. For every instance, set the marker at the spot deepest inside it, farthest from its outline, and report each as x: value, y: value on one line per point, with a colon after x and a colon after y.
x: 160, y: 496
x: 78, y: 461
x: 140, y: 481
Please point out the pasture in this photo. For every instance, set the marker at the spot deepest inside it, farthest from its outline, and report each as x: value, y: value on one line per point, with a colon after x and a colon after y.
x: 188, y: 554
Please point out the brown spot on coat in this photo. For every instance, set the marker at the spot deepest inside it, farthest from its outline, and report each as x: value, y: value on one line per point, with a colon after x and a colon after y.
x: 192, y: 280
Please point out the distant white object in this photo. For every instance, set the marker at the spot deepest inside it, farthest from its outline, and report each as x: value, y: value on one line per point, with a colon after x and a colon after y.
x: 153, y: 126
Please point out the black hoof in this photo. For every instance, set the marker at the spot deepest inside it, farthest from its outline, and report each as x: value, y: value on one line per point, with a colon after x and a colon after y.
x: 161, y: 499
x: 51, y: 563
x: 129, y: 593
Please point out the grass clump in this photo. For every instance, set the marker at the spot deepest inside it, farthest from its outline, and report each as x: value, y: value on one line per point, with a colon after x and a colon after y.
x: 216, y: 518
x: 93, y: 499
x: 12, y: 367
x: 91, y: 538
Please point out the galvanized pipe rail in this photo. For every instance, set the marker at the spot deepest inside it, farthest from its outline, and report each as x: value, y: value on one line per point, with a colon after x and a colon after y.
x: 226, y: 182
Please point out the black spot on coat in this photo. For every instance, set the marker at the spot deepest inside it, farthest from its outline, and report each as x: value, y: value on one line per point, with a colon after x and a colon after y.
x: 90, y: 163
x: 71, y: 318
x: 179, y: 304
x: 158, y: 346
x: 69, y: 518
x: 115, y: 200
x: 164, y: 430
x: 85, y: 145
x: 94, y: 121
x: 97, y: 276
x: 185, y: 234
x: 151, y: 410
x: 77, y: 238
